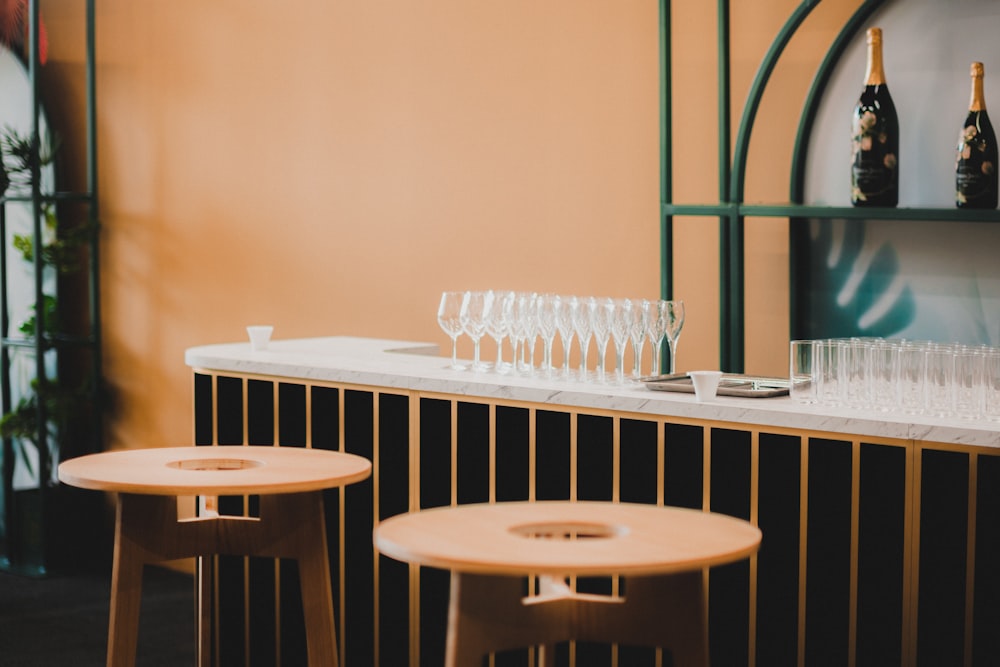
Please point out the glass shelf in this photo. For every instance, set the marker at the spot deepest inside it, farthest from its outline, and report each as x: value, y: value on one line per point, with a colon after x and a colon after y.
x: 851, y: 212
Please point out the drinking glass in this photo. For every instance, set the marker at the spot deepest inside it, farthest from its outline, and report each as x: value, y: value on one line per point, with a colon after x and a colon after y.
x: 523, y: 317
x: 565, y: 306
x: 991, y: 384
x: 912, y: 361
x: 621, y: 325
x: 939, y: 380
x: 600, y: 323
x: 885, y: 375
x: 656, y: 330
x: 583, y: 329
x: 637, y: 333
x: 673, y: 317
x: 969, y: 381
x: 499, y: 322
x: 473, y: 318
x: 801, y: 369
x: 830, y: 371
x: 449, y: 319
x: 546, y: 314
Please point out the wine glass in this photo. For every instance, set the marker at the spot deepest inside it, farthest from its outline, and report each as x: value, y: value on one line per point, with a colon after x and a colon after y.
x: 565, y: 307
x: 583, y: 330
x: 545, y: 307
x: 637, y: 332
x: 621, y: 323
x: 600, y: 322
x: 655, y: 330
x: 673, y: 318
x: 473, y: 318
x: 449, y: 319
x: 499, y: 323
x: 523, y: 327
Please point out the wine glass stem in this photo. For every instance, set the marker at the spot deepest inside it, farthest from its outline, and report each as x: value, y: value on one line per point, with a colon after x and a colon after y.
x: 475, y: 352
x: 454, y: 351
x: 656, y: 359
x: 619, y: 363
x: 499, y: 352
x: 673, y: 356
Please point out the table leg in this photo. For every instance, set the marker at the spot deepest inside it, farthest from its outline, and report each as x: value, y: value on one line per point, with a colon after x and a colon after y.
x: 290, y: 526
x: 490, y: 613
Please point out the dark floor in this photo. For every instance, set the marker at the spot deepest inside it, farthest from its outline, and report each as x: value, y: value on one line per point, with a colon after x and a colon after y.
x: 63, y: 620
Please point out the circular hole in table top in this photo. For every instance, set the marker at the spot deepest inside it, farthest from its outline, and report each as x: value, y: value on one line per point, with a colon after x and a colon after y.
x: 214, y: 465
x: 568, y: 530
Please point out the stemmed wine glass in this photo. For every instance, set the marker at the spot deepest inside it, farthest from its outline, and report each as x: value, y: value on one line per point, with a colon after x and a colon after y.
x: 499, y: 315
x: 473, y: 318
x: 673, y: 317
x: 655, y: 330
x: 637, y: 332
x: 523, y: 327
x: 564, y: 323
x: 449, y: 318
x: 584, y: 331
x: 621, y: 316
x: 600, y: 323
x: 546, y: 314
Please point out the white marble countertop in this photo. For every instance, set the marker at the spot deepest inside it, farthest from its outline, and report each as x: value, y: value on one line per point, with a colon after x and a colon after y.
x: 419, y: 367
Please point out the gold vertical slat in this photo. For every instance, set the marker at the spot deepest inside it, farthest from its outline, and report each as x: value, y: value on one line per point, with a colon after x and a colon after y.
x: 414, y: 505
x: 276, y: 408
x: 246, y: 512
x: 911, y: 593
x: 970, y: 557
x: 532, y: 472
x: 661, y: 458
x: 492, y: 452
x: 376, y: 629
x: 803, y: 544
x: 453, y: 475
x: 755, y: 520
x: 852, y: 608
x: 342, y: 533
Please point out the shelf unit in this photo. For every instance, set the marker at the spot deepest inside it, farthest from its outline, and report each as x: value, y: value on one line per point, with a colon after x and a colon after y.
x: 732, y: 210
x: 46, y: 527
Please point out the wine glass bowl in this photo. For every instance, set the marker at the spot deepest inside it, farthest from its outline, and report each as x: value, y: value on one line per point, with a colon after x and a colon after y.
x: 450, y: 321
x: 673, y: 319
x: 473, y: 319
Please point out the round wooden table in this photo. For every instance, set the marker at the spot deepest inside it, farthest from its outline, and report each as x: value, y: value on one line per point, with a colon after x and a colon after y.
x: 289, y: 481
x: 490, y: 548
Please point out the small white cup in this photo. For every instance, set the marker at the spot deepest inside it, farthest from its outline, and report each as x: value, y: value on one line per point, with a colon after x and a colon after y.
x: 706, y: 383
x: 260, y: 335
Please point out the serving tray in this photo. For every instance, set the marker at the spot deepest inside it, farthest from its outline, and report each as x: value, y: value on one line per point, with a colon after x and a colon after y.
x: 731, y: 384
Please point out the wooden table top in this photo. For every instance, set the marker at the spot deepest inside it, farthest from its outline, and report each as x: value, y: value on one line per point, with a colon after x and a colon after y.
x: 613, y: 538
x: 214, y: 471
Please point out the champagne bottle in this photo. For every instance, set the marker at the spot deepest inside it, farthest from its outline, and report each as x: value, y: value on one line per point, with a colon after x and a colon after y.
x: 874, y: 164
x: 976, y: 160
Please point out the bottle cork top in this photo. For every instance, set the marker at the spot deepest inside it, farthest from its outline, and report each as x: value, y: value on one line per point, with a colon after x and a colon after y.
x: 874, y: 35
x: 976, y: 70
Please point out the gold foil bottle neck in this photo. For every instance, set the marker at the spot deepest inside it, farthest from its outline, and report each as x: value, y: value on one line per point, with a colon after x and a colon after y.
x: 875, y: 74
x: 977, y: 102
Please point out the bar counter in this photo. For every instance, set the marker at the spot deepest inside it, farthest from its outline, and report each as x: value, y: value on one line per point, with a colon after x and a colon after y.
x: 417, y: 367
x: 880, y: 530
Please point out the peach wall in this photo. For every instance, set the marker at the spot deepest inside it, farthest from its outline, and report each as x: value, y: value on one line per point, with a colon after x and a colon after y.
x: 330, y: 168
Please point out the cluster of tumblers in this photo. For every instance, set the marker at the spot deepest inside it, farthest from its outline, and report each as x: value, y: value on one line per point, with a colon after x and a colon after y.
x: 892, y: 375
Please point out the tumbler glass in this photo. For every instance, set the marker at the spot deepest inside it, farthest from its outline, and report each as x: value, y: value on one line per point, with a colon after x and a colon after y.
x: 801, y: 368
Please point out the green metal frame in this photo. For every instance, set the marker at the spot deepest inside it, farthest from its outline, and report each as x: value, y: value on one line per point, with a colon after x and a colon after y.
x: 731, y: 210
x: 42, y: 341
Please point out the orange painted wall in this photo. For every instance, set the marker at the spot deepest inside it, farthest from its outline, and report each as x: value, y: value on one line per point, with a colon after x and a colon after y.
x: 331, y: 167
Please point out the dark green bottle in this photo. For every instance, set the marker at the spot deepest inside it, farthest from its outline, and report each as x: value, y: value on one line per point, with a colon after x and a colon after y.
x: 875, y: 141
x: 976, y: 158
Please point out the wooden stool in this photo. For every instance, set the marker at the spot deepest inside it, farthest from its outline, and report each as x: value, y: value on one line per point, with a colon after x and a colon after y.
x: 661, y: 552
x: 289, y: 482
